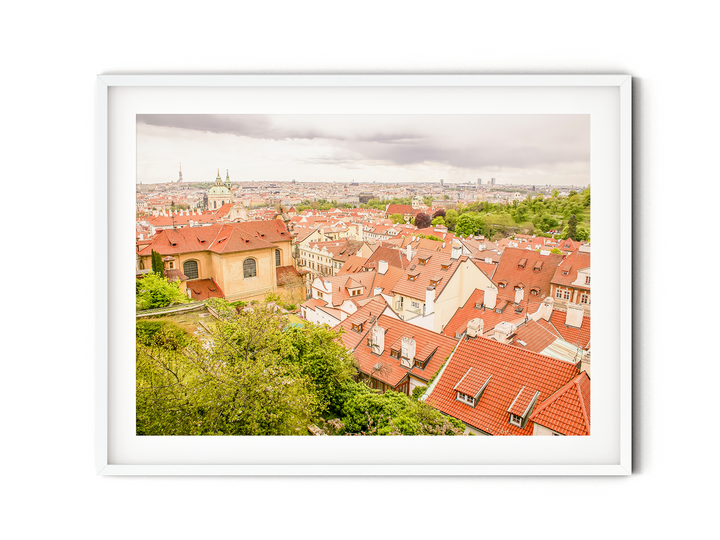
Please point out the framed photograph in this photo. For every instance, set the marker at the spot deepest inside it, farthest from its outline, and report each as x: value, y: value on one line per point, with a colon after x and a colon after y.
x: 130, y: 106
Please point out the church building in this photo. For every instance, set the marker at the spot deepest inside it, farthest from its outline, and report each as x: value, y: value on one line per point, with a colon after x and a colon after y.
x: 219, y: 194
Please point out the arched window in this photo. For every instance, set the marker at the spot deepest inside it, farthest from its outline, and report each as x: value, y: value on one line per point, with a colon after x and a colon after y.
x: 214, y: 204
x: 277, y: 257
x: 190, y: 269
x: 249, y: 268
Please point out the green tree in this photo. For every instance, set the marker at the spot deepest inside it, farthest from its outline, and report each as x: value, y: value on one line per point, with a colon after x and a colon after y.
x: 397, y: 218
x: 369, y: 413
x: 320, y: 356
x: 451, y: 217
x: 154, y: 291
x: 469, y: 224
x: 438, y: 221
x: 572, y: 228
x: 157, y: 264
x: 237, y: 383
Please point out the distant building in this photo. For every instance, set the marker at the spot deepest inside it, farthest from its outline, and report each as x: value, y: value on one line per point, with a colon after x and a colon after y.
x: 218, y: 195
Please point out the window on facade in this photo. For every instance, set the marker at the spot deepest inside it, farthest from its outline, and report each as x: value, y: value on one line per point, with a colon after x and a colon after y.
x: 516, y: 420
x: 566, y: 295
x: 587, y: 280
x: 584, y: 298
x: 190, y: 269
x: 172, y: 265
x: 249, y: 268
x: 415, y: 304
x: 277, y: 257
x: 558, y: 293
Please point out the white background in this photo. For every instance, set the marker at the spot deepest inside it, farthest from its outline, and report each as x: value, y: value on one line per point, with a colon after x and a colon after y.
x: 669, y: 467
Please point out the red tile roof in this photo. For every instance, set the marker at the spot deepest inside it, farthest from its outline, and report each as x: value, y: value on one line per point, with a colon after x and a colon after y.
x: 218, y: 238
x: 394, y: 257
x: 508, y: 270
x: 511, y: 368
x: 367, y: 315
x: 427, y: 272
x: 202, y: 289
x: 458, y: 323
x: 567, y: 411
x: 285, y: 274
x: 572, y: 263
x: 576, y: 336
x: 395, y: 372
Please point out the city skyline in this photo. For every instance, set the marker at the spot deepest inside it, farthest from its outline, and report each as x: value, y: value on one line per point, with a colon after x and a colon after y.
x: 387, y: 149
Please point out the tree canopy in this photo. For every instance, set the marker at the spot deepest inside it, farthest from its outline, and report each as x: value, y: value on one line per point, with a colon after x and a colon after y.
x: 154, y: 291
x: 422, y: 220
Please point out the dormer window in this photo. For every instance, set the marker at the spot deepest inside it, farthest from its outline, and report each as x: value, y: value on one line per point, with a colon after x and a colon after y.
x: 394, y: 353
x: 522, y: 263
x: 535, y: 291
x: 444, y: 267
x: 516, y: 420
x: 538, y: 266
x: 357, y: 327
x: 435, y: 282
x: 412, y: 277
x: 502, y: 284
x: 466, y: 399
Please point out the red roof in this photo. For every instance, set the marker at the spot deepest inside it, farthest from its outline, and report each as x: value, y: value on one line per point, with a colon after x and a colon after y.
x: 394, y: 257
x: 430, y: 270
x: 576, y: 336
x: 511, y: 369
x: 366, y: 315
x: 427, y: 342
x: 567, y: 411
x: 509, y: 270
x: 230, y: 238
x: 574, y: 262
x: 202, y: 289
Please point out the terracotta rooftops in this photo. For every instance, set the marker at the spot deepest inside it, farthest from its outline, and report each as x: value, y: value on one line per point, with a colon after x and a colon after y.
x: 512, y: 372
x: 567, y: 273
x: 202, y: 289
x: 567, y: 411
x: 424, y: 267
x: 431, y: 350
x: 230, y: 238
x: 517, y: 267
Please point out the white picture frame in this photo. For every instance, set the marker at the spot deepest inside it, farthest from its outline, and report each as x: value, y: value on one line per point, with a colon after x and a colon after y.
x: 607, y: 98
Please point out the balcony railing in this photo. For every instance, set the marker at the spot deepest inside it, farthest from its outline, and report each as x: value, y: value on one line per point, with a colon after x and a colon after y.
x: 398, y: 306
x: 413, y: 309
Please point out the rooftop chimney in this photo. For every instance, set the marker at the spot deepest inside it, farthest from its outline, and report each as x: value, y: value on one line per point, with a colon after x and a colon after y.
x: 407, y: 355
x: 408, y: 252
x: 382, y: 267
x: 503, y: 331
x: 378, y: 340
x: 456, y: 249
x: 475, y: 327
x: 546, y: 309
x: 490, y: 297
x: 519, y: 293
x: 429, y: 301
x: 574, y: 316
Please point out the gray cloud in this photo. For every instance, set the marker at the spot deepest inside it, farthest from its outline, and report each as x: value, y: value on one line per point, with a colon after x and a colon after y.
x: 461, y: 141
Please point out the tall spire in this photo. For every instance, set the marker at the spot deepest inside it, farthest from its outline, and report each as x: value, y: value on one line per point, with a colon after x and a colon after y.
x: 180, y: 179
x: 227, y: 178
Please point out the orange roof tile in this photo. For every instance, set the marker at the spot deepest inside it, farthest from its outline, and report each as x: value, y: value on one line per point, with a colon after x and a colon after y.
x: 567, y: 411
x: 511, y: 368
x: 394, y: 372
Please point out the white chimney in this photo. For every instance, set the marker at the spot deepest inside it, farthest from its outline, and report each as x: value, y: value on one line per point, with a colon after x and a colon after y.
x: 377, y: 291
x: 490, y: 297
x: 475, y: 327
x: 546, y: 309
x: 141, y: 236
x: 488, y: 260
x: 574, y: 316
x: 378, y: 340
x: 456, y: 249
x: 407, y: 355
x: 503, y: 331
x: 429, y: 301
x: 519, y: 293
x: 408, y: 252
x: 382, y: 267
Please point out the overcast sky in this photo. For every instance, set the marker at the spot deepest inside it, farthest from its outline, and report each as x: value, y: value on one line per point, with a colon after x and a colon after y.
x: 514, y: 149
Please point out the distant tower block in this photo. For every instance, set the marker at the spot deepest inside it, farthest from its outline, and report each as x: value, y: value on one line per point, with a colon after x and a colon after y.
x: 492, y: 181
x: 479, y: 182
x: 180, y: 179
x: 442, y: 182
